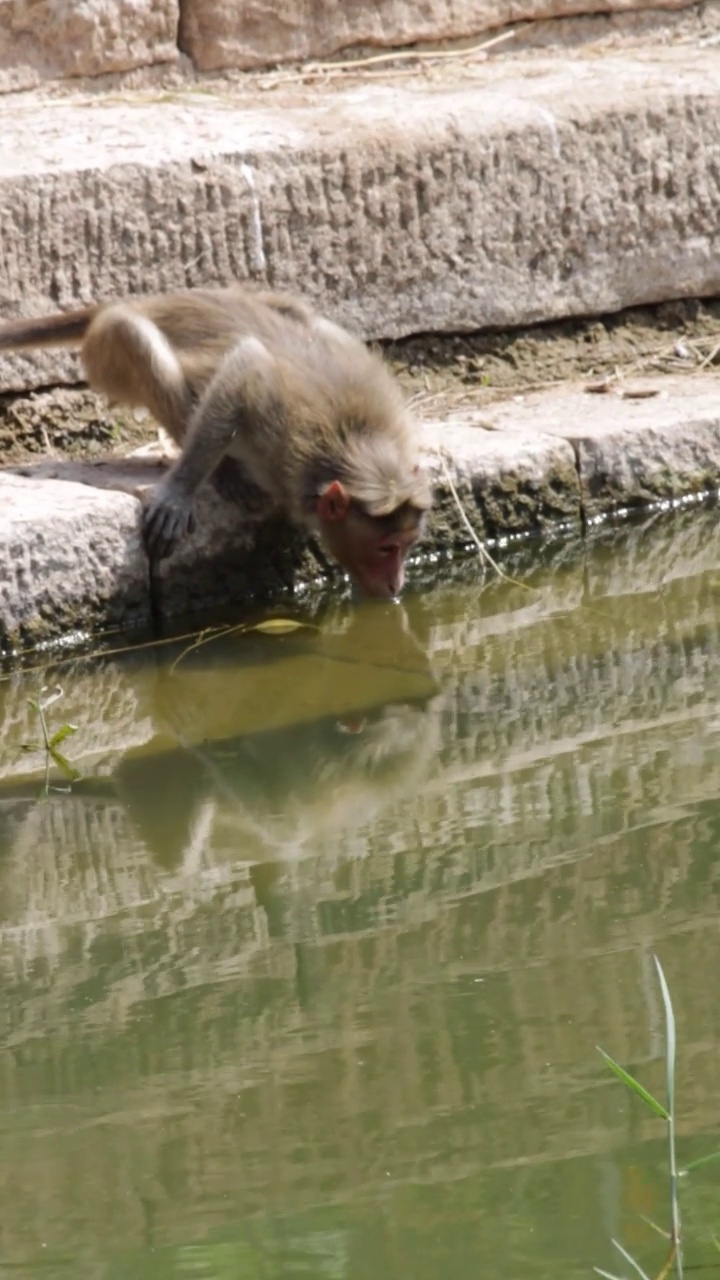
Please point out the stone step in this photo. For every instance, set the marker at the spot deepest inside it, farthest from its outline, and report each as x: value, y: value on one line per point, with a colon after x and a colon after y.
x: 72, y: 554
x: 492, y: 194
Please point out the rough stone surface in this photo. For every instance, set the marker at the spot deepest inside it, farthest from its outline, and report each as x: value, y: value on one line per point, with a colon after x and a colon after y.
x: 583, y: 187
x: 41, y: 39
x: 72, y: 561
x: 235, y: 555
x: 531, y: 464
x: 253, y: 33
x: 506, y: 484
x: 651, y: 441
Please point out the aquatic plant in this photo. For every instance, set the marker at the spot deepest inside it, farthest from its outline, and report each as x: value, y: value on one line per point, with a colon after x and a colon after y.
x: 52, y: 742
x: 666, y: 1112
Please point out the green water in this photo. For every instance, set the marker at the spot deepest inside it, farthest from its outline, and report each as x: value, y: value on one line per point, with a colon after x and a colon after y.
x: 305, y: 976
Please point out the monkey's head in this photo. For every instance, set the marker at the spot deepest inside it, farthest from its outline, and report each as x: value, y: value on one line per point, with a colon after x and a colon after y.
x: 371, y: 544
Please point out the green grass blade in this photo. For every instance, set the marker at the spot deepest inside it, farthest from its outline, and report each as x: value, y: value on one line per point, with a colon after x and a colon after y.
x: 635, y: 1085
x: 695, y: 1164
x: 608, y: 1275
x: 71, y: 773
x: 654, y: 1227
x: 631, y: 1261
x: 670, y: 1035
x: 64, y: 732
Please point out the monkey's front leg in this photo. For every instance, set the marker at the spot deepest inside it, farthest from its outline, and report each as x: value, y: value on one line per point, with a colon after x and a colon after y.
x: 231, y: 402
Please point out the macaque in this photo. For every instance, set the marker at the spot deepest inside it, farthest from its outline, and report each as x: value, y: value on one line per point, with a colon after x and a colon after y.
x: 255, y: 385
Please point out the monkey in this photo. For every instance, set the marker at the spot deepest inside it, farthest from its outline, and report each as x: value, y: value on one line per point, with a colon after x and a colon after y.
x: 256, y: 385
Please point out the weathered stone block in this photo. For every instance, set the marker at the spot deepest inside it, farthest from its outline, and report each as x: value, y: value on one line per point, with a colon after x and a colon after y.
x: 507, y: 482
x: 234, y: 556
x: 588, y: 186
x: 41, y: 39
x: 622, y: 466
x: 254, y: 33
x: 72, y: 561
x: 658, y: 443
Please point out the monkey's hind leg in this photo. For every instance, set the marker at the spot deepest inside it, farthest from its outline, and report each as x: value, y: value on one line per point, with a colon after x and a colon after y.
x: 131, y: 361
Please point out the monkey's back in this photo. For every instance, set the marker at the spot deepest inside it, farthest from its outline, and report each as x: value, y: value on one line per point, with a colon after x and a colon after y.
x: 329, y: 376
x: 202, y: 325
x: 332, y: 406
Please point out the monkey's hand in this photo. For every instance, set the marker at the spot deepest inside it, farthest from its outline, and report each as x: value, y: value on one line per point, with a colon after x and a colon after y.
x: 167, y: 518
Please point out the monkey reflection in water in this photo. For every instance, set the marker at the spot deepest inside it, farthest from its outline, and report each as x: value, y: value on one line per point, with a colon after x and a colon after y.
x: 254, y: 385
x: 278, y: 792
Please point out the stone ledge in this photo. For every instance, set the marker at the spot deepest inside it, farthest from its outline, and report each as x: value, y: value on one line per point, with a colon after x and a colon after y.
x: 72, y: 559
x: 518, y: 194
x: 646, y: 441
x: 70, y: 532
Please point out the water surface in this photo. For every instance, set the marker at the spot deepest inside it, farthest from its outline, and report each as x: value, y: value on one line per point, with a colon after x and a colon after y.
x: 304, y: 977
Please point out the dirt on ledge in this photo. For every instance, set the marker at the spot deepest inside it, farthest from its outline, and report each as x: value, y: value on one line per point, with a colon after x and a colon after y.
x: 436, y: 370
x: 490, y: 365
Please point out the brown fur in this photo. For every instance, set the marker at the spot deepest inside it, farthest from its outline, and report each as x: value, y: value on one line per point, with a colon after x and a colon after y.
x: 259, y: 378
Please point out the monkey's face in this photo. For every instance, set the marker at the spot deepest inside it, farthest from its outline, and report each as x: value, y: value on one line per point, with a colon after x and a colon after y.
x: 371, y: 549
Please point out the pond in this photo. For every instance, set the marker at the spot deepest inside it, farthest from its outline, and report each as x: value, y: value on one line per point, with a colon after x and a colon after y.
x: 304, y: 976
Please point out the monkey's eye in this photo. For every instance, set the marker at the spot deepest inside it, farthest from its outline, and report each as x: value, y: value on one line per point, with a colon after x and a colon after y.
x: 386, y: 550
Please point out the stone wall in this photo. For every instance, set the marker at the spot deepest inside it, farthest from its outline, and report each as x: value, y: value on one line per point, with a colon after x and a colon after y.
x: 40, y: 40
x: 223, y: 33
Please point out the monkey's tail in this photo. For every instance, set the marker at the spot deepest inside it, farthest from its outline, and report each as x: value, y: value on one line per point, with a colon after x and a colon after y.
x: 60, y: 330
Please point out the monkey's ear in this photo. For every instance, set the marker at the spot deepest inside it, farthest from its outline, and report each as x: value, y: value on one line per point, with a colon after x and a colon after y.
x: 333, y: 503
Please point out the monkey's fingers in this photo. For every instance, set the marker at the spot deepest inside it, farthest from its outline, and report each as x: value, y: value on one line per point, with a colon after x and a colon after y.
x: 165, y: 523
